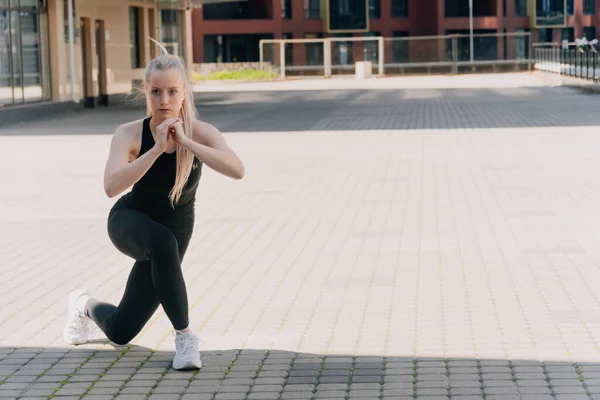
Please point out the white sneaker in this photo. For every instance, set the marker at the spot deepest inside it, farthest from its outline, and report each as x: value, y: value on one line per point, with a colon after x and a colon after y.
x: 187, y: 355
x: 79, y: 327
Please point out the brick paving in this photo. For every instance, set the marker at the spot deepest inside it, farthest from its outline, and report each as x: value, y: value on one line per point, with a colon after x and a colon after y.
x: 385, y: 243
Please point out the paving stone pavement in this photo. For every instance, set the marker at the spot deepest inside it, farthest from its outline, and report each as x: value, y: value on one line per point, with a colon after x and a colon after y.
x: 429, y: 243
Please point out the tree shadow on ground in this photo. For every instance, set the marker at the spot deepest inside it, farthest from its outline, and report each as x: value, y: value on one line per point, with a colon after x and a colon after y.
x: 278, y: 374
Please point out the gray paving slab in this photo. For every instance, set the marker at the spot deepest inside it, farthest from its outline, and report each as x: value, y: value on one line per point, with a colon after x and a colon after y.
x: 385, y: 243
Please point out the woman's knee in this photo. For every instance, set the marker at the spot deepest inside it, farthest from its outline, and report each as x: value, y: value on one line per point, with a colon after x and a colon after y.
x: 120, y: 337
x: 163, y: 247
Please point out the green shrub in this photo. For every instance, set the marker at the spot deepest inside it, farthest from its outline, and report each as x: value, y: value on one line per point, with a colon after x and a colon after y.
x: 245, y: 75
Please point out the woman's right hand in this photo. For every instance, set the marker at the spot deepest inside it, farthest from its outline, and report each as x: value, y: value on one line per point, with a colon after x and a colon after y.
x: 162, y: 134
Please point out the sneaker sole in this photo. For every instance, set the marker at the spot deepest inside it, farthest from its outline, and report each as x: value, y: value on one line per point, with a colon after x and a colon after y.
x: 187, y: 365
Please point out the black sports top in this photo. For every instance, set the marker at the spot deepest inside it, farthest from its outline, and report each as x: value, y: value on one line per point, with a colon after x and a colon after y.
x: 152, y: 190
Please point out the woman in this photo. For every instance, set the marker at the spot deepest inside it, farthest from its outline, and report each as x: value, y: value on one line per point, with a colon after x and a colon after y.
x: 162, y: 157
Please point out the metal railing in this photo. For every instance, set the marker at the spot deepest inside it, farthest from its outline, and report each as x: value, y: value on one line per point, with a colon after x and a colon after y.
x: 398, y: 55
x: 568, y: 60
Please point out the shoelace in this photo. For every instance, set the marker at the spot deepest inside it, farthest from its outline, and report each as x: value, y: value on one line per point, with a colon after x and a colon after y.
x: 83, y: 322
x: 186, y: 342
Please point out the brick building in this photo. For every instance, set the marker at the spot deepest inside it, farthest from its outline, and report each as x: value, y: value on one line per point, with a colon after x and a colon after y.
x: 230, y: 31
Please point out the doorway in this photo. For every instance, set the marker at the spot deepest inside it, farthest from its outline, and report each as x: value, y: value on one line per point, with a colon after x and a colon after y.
x: 93, y: 95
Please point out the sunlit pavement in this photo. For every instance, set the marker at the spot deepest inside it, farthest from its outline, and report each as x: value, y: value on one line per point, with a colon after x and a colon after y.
x: 386, y: 242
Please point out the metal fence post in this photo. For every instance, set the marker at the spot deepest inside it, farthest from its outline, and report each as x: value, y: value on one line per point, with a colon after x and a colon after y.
x: 327, y: 57
x: 587, y: 65
x: 282, y: 59
x: 261, y: 54
x: 381, y: 56
x: 454, y: 54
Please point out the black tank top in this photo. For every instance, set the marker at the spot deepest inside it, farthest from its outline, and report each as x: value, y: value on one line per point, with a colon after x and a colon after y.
x: 151, y: 192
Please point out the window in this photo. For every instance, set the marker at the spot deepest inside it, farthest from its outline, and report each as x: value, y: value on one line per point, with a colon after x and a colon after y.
x: 312, y: 9
x: 314, y: 51
x: 456, y: 8
x: 571, y: 7
x: 343, y: 52
x: 589, y: 7
x: 589, y: 32
x: 134, y: 37
x: 399, y: 8
x: 545, y: 35
x: 375, y: 9
x: 171, y: 31
x: 289, y: 49
x: 23, y: 70
x: 348, y: 15
x: 521, y: 8
x: 400, y: 47
x: 460, y: 8
x: 484, y: 47
x: 567, y: 34
x: 286, y: 9
x: 371, y: 48
x: 522, y: 45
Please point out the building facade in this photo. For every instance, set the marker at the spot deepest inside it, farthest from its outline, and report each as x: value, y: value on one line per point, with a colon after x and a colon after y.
x: 231, y: 31
x: 98, y: 61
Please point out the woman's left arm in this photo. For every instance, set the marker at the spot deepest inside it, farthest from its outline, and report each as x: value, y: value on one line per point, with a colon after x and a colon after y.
x: 210, y: 147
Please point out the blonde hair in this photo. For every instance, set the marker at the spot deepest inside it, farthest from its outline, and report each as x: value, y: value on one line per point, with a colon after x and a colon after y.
x: 187, y: 113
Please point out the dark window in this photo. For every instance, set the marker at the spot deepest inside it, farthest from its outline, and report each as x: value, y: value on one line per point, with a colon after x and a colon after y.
x: 567, y: 34
x: 286, y: 12
x: 589, y: 32
x: 314, y: 51
x: 347, y: 15
x: 399, y: 8
x: 589, y: 7
x: 460, y: 8
x: 521, y: 8
x: 312, y: 9
x: 375, y: 9
x: 400, y: 47
x: 550, y: 12
x: 134, y: 37
x: 545, y: 35
x: 289, y: 49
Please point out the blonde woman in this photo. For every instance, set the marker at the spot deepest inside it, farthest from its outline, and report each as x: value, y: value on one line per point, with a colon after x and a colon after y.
x: 161, y: 156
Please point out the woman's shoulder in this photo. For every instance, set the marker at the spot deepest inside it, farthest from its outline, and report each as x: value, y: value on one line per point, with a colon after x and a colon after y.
x: 133, y: 128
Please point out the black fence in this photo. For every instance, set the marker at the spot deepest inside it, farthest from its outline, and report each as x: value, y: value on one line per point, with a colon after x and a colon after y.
x: 578, y: 62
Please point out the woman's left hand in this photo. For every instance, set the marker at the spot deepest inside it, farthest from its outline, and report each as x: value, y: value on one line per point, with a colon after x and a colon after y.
x: 177, y: 132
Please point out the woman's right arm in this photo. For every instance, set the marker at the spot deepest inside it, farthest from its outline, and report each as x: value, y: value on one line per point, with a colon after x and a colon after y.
x: 120, y: 174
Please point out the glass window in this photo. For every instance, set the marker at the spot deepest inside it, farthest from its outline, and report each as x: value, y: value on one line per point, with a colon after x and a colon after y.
x: 342, y: 51
x: 567, y: 34
x: 545, y: 35
x: 289, y: 49
x: 314, y: 51
x: 171, y: 31
x: 134, y: 37
x: 521, y: 8
x: 589, y: 7
x: 371, y: 48
x: 21, y: 66
x: 286, y: 9
x: 399, y: 8
x: 375, y: 9
x: 400, y: 47
x: 589, y: 32
x: 522, y: 44
x: 312, y: 9
x: 570, y: 7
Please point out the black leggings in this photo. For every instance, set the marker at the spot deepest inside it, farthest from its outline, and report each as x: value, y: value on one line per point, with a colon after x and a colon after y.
x: 156, y: 278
